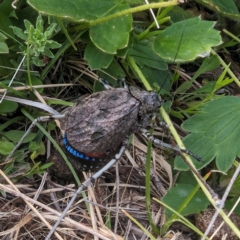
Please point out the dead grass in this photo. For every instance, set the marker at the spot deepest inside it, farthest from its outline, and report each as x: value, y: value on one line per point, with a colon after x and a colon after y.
x: 122, y: 188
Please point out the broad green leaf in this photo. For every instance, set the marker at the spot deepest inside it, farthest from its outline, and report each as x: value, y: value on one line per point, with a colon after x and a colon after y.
x: 96, y: 58
x: 108, y: 36
x: 215, y: 132
x: 15, y: 136
x: 75, y: 10
x: 178, y: 194
x: 113, y: 34
x: 186, y: 40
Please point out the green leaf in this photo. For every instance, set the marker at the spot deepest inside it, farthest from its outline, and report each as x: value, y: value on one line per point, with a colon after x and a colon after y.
x: 176, y: 196
x: 5, y: 22
x: 10, y: 121
x: 2, y: 37
x: 19, y: 33
x: 145, y: 56
x: 47, y: 53
x: 3, y: 48
x: 3, y: 45
x: 6, y: 7
x: 49, y: 31
x: 231, y: 203
x: 186, y: 40
x: 51, y: 126
x: 215, y: 132
x: 108, y: 36
x: 15, y: 136
x: 77, y: 10
x: 208, y: 64
x: 8, y: 106
x: 37, y: 81
x: 33, y: 146
x: 39, y: 24
x: 114, y: 70
x: 96, y: 58
x: 28, y: 26
x: 52, y: 44
x: 113, y: 34
x: 152, y: 76
x: 6, y: 147
x: 36, y: 149
x: 38, y: 62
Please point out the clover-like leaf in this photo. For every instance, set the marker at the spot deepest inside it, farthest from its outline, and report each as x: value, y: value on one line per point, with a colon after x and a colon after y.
x: 215, y: 132
x: 187, y: 40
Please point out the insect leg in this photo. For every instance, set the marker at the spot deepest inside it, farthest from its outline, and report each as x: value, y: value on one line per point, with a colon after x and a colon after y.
x: 106, y: 85
x: 169, y: 146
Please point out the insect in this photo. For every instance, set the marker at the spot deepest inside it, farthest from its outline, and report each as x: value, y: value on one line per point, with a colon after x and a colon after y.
x: 97, y: 127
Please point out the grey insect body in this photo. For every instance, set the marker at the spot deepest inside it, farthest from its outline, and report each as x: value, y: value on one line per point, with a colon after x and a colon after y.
x: 97, y: 127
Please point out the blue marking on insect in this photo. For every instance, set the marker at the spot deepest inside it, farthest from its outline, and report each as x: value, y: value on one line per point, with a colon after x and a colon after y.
x: 76, y: 153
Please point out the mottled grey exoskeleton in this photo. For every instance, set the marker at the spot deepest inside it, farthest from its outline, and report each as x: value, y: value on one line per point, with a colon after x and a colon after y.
x: 97, y: 127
